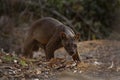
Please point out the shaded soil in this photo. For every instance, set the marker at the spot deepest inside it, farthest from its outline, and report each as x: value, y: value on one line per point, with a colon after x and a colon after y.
x: 100, y: 60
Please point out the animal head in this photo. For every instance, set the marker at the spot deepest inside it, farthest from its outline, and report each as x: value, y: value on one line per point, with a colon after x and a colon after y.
x: 70, y: 43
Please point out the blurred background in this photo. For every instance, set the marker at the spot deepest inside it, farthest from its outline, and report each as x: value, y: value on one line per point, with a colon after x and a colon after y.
x: 93, y: 19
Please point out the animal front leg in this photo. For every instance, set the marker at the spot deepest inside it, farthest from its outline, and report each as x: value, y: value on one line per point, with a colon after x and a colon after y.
x: 49, y: 54
x: 52, y: 45
x: 76, y: 57
x: 49, y: 51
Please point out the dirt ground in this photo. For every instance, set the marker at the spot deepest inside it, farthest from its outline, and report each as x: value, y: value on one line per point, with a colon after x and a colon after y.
x: 100, y: 60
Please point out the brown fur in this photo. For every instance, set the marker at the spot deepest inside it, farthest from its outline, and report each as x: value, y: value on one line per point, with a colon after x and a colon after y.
x: 50, y: 34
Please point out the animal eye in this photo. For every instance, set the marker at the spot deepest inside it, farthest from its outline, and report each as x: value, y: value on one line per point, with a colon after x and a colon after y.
x: 68, y: 44
x: 75, y: 46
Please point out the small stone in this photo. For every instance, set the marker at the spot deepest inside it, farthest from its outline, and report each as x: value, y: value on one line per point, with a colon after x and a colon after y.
x: 0, y: 61
x: 46, y: 76
x: 74, y: 71
x: 15, y: 61
x: 14, y: 72
x: 74, y: 64
x: 19, y: 69
x: 118, y: 69
x: 80, y: 71
x: 38, y: 72
x: 35, y: 79
x: 97, y: 63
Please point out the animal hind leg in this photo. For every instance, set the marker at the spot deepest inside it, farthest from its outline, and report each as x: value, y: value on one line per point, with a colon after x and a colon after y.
x: 35, y: 45
x: 29, y: 48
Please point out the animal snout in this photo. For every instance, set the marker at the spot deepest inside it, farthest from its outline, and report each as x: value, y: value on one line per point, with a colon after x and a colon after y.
x: 72, y: 52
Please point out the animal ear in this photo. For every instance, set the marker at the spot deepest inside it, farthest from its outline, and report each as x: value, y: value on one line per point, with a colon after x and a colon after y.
x: 77, y: 36
x: 63, y: 35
